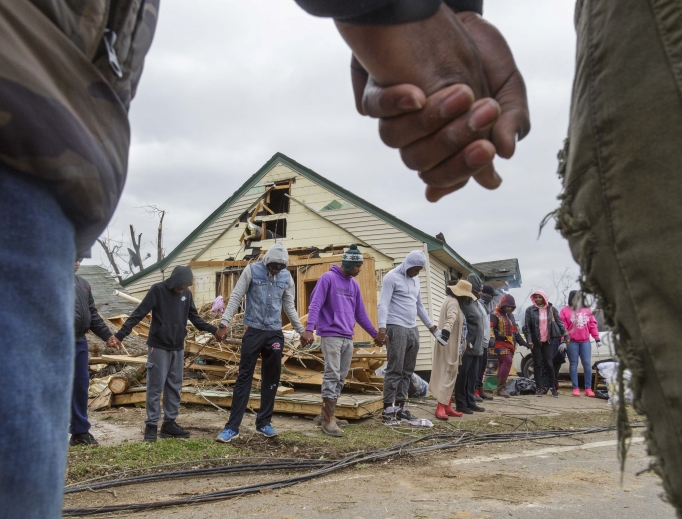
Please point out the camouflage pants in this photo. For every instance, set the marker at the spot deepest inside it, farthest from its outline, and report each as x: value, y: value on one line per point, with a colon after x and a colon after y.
x: 621, y: 206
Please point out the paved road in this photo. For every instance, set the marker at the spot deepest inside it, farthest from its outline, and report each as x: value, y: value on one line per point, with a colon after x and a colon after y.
x: 558, y: 478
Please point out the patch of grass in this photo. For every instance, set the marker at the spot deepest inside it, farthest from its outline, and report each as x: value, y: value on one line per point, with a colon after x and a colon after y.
x: 85, y: 463
x: 89, y: 462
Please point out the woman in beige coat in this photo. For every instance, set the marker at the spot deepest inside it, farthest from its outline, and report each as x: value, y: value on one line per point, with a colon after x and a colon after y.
x: 447, y: 350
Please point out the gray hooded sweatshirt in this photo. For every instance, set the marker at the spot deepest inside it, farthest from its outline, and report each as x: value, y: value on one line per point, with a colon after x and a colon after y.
x: 266, y: 294
x: 401, y: 300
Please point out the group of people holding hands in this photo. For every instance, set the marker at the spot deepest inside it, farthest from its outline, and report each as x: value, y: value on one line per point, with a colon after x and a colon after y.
x: 470, y: 327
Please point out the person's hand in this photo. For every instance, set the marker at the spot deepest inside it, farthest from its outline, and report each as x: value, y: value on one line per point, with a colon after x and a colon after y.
x: 433, y: 329
x: 378, y: 340
x: 307, y: 338
x: 562, y: 348
x: 530, y: 345
x: 423, y: 136
x: 221, y: 333
x: 113, y: 342
x: 381, y: 336
x: 598, y: 341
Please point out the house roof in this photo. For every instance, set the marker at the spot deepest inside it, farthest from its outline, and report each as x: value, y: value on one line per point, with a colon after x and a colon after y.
x: 433, y: 244
x: 103, y: 285
x: 501, y: 270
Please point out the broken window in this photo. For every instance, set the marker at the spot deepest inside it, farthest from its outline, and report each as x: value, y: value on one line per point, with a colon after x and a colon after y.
x: 336, y: 204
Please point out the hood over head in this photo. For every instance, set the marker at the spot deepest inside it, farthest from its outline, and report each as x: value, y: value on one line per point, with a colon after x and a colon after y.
x: 541, y: 292
x: 415, y: 258
x: 508, y: 300
x: 181, y: 276
x: 476, y: 283
x: 276, y: 254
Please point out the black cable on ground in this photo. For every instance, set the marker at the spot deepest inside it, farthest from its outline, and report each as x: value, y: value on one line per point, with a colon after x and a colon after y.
x: 442, y: 441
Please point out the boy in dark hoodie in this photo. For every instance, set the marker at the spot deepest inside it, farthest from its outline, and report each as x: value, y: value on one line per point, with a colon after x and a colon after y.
x: 171, y: 304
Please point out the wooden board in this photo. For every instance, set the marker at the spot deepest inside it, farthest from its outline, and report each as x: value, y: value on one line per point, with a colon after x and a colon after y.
x: 102, y: 401
x: 350, y: 407
x: 124, y: 359
x: 209, y: 351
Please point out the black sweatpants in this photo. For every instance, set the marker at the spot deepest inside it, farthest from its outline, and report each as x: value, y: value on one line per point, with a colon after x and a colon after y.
x: 268, y: 344
x: 482, y: 365
x: 466, y: 382
x: 543, y: 360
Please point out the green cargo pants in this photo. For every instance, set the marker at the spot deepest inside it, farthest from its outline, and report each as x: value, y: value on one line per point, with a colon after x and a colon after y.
x: 621, y: 205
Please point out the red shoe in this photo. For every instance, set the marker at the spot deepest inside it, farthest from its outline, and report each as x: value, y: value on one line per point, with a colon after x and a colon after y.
x: 590, y: 393
x: 450, y: 411
x: 576, y: 392
x: 441, y: 413
x: 476, y: 393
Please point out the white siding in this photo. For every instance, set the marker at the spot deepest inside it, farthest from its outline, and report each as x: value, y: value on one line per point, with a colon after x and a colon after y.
x: 197, y: 245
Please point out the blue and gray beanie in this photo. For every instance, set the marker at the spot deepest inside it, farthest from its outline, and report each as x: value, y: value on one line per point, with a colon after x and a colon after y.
x: 351, y: 258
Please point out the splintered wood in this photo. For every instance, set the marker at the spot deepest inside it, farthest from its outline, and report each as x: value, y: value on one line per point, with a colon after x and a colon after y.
x: 211, y: 369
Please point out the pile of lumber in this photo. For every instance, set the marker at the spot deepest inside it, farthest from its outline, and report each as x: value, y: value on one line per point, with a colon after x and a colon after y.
x: 212, y: 365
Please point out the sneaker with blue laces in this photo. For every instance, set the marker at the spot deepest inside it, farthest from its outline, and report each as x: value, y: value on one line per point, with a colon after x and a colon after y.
x: 267, y: 430
x: 227, y: 435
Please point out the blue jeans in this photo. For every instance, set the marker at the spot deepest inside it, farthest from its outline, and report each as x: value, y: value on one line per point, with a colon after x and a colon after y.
x: 584, y: 351
x: 37, y: 253
x: 81, y: 385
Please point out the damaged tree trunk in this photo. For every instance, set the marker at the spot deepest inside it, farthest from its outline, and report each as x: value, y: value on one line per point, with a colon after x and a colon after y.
x: 97, y: 347
x: 130, y: 376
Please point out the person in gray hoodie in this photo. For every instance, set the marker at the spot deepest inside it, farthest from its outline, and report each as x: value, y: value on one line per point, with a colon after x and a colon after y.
x: 399, y: 305
x: 268, y: 287
x: 477, y: 323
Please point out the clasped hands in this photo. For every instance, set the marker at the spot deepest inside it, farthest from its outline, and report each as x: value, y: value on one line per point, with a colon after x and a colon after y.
x: 113, y: 342
x: 452, y: 97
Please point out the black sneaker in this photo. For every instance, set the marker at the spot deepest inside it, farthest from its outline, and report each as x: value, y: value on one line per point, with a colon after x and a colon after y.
x: 478, y: 398
x: 170, y: 429
x: 538, y: 392
x: 555, y: 393
x: 83, y: 439
x: 404, y: 415
x: 465, y: 410
x: 150, y: 432
x: 477, y: 408
x: 388, y: 417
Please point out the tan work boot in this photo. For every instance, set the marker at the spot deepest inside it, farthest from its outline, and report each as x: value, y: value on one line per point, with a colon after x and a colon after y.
x: 319, y: 420
x: 328, y: 420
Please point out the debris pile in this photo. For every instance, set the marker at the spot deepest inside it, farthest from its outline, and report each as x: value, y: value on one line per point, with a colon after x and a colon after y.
x: 211, y: 368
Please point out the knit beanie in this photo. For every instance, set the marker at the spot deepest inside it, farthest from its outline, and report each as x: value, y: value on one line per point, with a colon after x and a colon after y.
x: 351, y: 258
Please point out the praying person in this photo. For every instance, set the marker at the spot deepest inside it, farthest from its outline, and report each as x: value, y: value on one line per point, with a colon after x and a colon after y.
x: 399, y: 305
x: 171, y: 305
x: 336, y: 305
x: 504, y: 335
x: 269, y: 288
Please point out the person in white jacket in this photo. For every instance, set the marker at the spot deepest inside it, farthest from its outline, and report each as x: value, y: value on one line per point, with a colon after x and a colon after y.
x: 399, y: 305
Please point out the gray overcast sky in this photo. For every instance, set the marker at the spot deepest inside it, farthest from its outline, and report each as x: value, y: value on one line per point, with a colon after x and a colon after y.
x: 228, y: 83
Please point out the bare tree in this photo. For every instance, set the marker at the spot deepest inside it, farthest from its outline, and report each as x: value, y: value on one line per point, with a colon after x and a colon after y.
x: 111, y: 249
x: 135, y: 258
x: 563, y: 282
x: 155, y: 211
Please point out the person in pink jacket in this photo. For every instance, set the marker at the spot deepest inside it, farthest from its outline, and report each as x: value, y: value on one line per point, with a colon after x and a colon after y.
x: 580, y: 324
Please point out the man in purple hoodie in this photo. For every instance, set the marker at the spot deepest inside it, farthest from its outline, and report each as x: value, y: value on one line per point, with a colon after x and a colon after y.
x: 336, y: 305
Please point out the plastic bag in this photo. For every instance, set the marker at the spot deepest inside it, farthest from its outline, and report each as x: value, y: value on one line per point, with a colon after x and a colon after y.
x: 418, y: 386
x: 609, y: 372
x: 218, y: 305
x: 521, y: 386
